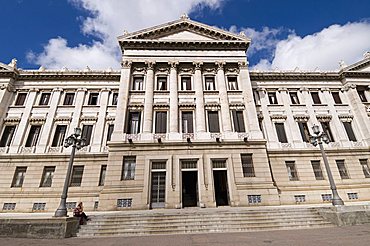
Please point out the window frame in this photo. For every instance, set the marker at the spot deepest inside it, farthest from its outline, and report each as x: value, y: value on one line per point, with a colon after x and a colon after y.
x: 315, y: 97
x: 209, y: 80
x: 247, y: 165
x: 87, y: 133
x: 365, y: 167
x: 294, y: 99
x: 317, y: 170
x: 128, y: 168
x: 33, y: 135
x: 103, y: 172
x: 137, y: 83
x: 130, y: 125
x: 336, y: 97
x: 93, y: 99
x: 18, y: 170
x: 44, y: 98
x: 213, y: 128
x: 76, y: 176
x: 160, y: 79
x: 232, y: 83
x: 325, y: 126
x: 238, y: 120
x: 342, y: 169
x: 292, y: 172
x: 272, y: 97
x: 69, y: 98
x: 280, y: 132
x: 55, y: 142
x: 114, y: 98
x: 161, y: 122
x: 7, y: 137
x: 304, y: 130
x: 20, y: 99
x: 189, y: 123
x: 188, y: 86
x: 47, y: 176
x: 349, y: 130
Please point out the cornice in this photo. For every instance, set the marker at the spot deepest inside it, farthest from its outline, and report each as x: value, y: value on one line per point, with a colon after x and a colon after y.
x: 69, y: 75
x: 286, y: 75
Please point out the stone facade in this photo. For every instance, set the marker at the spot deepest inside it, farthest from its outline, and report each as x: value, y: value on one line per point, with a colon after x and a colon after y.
x: 183, y: 123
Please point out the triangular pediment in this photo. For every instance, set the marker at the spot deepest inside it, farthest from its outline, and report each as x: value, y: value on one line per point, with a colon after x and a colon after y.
x: 184, y: 29
x: 360, y: 66
x: 4, y: 67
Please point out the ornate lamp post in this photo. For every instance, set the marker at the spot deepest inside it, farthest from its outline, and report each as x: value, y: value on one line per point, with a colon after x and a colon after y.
x: 76, y: 142
x: 317, y: 139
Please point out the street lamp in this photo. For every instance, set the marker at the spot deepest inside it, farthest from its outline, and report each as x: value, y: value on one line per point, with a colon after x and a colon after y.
x: 317, y: 139
x: 76, y: 142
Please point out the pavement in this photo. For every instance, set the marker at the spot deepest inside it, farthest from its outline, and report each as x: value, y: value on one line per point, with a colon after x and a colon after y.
x: 347, y: 235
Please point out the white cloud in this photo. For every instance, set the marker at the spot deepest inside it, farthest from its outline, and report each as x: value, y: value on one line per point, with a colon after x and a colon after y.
x: 107, y: 20
x: 321, y: 50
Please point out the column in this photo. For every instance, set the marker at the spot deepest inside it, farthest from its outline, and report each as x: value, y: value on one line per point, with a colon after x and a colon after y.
x: 80, y: 99
x: 148, y: 104
x: 268, y: 125
x: 47, y: 133
x: 225, y: 110
x: 250, y: 107
x: 100, y: 126
x: 199, y: 99
x: 174, y: 107
x: 123, y: 94
x: 23, y: 124
x: 291, y: 126
x: 6, y: 92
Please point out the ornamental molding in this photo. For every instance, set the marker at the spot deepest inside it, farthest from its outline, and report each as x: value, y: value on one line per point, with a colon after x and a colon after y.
x: 349, y: 86
x: 37, y: 120
x: 135, y: 107
x: 12, y: 120
x: 237, y: 106
x: 162, y: 70
x: 220, y: 65
x: 232, y: 70
x: 126, y: 64
x: 301, y: 117
x: 187, y: 106
x: 197, y: 65
x: 173, y: 64
x: 90, y: 118
x: 140, y: 70
x: 345, y: 117
x: 209, y: 70
x: 260, y: 115
x: 324, y: 118
x: 64, y: 119
x: 212, y: 106
x: 186, y: 70
x: 161, y: 106
x: 278, y: 117
x: 150, y: 64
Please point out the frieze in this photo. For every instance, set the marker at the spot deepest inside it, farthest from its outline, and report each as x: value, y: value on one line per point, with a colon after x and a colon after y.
x: 186, y: 70
x: 187, y: 105
x: 89, y: 118
x: 237, y: 106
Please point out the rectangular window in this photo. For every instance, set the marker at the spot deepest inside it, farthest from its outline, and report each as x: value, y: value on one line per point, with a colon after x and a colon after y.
x: 342, y: 169
x: 361, y: 94
x: 315, y: 98
x: 110, y: 131
x: 336, y: 98
x: 47, y: 177
x: 7, y: 136
x: 187, y: 122
x: 247, y: 164
x: 128, y: 169
x: 272, y: 98
x: 294, y: 97
x: 365, y: 168
x: 68, y: 98
x: 115, y: 98
x: 326, y: 129
x: 21, y: 99
x: 9, y: 206
x: 305, y: 133
x: 33, y: 136
x: 254, y: 199
x: 349, y: 131
x: 292, y: 171
x: 280, y: 130
x: 210, y: 84
x: 233, y: 83
x: 45, y: 98
x: 93, y: 98
x: 238, y: 120
x: 76, y: 179
x: 162, y: 83
x: 161, y: 122
x: 185, y: 83
x: 19, y: 174
x: 133, y: 122
x: 213, y: 122
x: 39, y: 206
x: 138, y: 83
x: 59, y: 135
x: 317, y: 170
x: 103, y: 170
x: 87, y: 133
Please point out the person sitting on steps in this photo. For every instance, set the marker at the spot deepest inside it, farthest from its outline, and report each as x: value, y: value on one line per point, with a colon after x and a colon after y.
x: 79, y: 212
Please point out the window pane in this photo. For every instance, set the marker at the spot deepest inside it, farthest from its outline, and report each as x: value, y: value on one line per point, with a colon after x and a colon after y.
x: 233, y: 83
x: 21, y: 98
x: 59, y: 135
x: 161, y: 122
x: 187, y: 122
x: 115, y: 98
x: 326, y: 129
x: 213, y: 123
x: 77, y: 173
x: 128, y: 169
x: 305, y: 134
x: 47, y: 177
x: 33, y: 136
x: 110, y: 131
x: 162, y: 83
x: 185, y: 83
x: 336, y: 97
x: 93, y: 99
x: 44, y: 99
x: 292, y: 171
x: 342, y: 169
x: 7, y: 136
x: 317, y: 170
x: 238, y: 120
x: 133, y: 123
x: 103, y: 170
x: 247, y: 164
x: 294, y: 97
x: 280, y: 130
x: 315, y: 97
x: 68, y: 99
x: 19, y: 174
x: 86, y: 133
x: 349, y: 131
x: 272, y: 98
x: 210, y: 83
x: 138, y: 83
x: 361, y: 94
x: 365, y: 168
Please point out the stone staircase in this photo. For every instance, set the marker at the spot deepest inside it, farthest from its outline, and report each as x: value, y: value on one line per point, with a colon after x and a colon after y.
x: 196, y: 220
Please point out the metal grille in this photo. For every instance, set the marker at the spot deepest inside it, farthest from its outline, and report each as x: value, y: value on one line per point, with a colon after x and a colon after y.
x: 124, y: 203
x: 254, y: 199
x: 189, y: 164
x: 39, y: 206
x: 326, y: 197
x: 71, y: 205
x: 352, y: 196
x: 219, y: 163
x: 300, y: 198
x: 159, y: 165
x: 9, y: 206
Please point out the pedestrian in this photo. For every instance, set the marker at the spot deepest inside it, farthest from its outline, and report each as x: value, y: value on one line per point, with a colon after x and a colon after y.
x: 79, y: 212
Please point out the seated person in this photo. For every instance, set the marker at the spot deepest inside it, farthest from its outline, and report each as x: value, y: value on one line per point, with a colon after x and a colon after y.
x: 79, y: 212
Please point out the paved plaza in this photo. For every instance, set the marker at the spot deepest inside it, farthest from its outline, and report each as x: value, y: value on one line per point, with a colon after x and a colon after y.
x: 350, y: 235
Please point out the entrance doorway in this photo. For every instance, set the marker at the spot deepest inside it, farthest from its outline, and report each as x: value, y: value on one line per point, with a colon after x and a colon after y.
x: 221, y: 190
x: 158, y: 190
x: 189, y: 188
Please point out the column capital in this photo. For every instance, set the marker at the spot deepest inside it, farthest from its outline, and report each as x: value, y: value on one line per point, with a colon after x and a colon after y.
x: 349, y: 86
x: 105, y: 89
x: 81, y: 89
x: 173, y: 64
x: 220, y: 65
x: 303, y: 89
x: 126, y: 64
x: 150, y: 64
x: 58, y: 89
x: 197, y: 65
x: 34, y: 90
x: 243, y: 64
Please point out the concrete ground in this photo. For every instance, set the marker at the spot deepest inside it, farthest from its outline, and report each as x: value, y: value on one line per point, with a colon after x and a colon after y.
x: 349, y: 235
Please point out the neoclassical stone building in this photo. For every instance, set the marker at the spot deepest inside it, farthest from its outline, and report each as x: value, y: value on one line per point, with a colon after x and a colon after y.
x: 184, y: 123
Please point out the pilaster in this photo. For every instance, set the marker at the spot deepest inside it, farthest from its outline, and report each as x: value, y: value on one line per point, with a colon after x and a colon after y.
x: 174, y: 107
x: 100, y: 123
x: 80, y: 98
x: 224, y: 101
x: 199, y: 99
x: 148, y: 105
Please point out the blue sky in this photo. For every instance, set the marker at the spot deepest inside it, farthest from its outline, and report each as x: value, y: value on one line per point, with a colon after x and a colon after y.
x: 285, y: 34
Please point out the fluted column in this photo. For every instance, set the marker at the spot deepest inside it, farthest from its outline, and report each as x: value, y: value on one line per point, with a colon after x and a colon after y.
x: 174, y: 107
x: 250, y: 107
x: 148, y: 105
x: 225, y: 110
x: 99, y: 137
x: 123, y: 94
x: 80, y: 98
x: 199, y: 99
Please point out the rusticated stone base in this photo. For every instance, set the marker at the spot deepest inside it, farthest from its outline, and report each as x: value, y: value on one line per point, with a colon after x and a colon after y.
x: 346, y: 215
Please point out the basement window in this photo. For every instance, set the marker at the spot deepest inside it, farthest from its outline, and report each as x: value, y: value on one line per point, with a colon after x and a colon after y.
x: 9, y: 206
x: 352, y: 196
x: 300, y: 198
x: 124, y: 203
x: 39, y: 206
x: 254, y: 199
